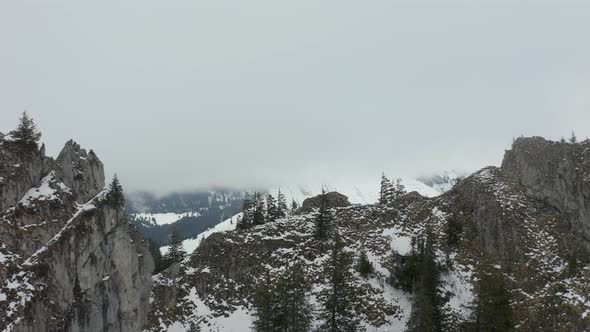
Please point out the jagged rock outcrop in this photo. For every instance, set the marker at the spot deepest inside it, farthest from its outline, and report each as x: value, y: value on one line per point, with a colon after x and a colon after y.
x: 559, y: 175
x: 82, y: 172
x: 333, y: 200
x: 69, y: 261
x: 18, y: 175
x: 522, y: 221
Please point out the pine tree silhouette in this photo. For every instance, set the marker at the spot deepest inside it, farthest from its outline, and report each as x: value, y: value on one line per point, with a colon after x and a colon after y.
x: 175, y: 252
x: 339, y: 296
x: 323, y: 218
x: 115, y: 196
x: 25, y: 137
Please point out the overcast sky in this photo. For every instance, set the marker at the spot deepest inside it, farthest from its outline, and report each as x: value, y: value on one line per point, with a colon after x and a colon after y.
x: 183, y: 93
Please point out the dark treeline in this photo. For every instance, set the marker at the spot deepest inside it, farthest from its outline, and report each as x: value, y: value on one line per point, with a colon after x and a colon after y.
x: 258, y: 210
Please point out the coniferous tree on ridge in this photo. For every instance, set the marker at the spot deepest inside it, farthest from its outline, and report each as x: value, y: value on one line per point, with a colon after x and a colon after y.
x: 573, y: 138
x: 403, y: 270
x: 258, y: 217
x: 294, y: 205
x: 493, y: 312
x: 339, y: 296
x: 282, y: 305
x: 263, y: 302
x: 297, y: 309
x: 25, y: 137
x: 398, y: 188
x: 154, y: 249
x: 364, y: 266
x: 247, y: 213
x: 176, y: 251
x: 281, y: 205
x: 386, y: 192
x: 323, y: 218
x: 115, y: 196
x: 427, y: 302
x: 272, y: 213
x: 454, y: 229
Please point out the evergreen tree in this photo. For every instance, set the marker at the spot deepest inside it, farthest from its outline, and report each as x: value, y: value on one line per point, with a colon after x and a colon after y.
x: 247, y: 213
x: 454, y: 230
x: 258, y: 217
x: 115, y: 196
x: 399, y: 189
x: 364, y: 266
x: 263, y: 303
x: 390, y: 191
x: 493, y: 312
x: 299, y: 311
x: 281, y: 205
x: 272, y: 213
x: 175, y: 252
x: 573, y: 138
x: 562, y: 140
x: 403, y: 270
x: 25, y: 137
x: 323, y: 218
x: 427, y: 314
x: 294, y: 205
x: 572, y: 263
x: 282, y: 305
x: 154, y: 249
x: 339, y: 297
x: 385, y: 194
x: 291, y: 310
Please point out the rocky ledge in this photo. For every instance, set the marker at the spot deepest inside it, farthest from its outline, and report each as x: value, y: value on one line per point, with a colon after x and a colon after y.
x: 69, y: 260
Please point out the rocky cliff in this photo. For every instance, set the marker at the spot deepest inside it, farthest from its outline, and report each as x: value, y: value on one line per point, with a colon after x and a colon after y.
x: 526, y: 221
x: 557, y: 174
x: 69, y: 261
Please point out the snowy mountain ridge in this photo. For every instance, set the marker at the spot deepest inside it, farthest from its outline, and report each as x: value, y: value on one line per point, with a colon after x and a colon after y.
x: 362, y: 192
x: 500, y: 228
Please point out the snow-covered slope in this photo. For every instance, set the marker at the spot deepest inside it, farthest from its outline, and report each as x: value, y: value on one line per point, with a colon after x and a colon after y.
x: 191, y: 244
x: 167, y: 218
x: 499, y: 230
x: 386, y: 308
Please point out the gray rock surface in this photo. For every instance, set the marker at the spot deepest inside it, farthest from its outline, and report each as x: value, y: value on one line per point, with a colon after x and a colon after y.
x: 82, y: 172
x: 559, y: 175
x: 69, y: 261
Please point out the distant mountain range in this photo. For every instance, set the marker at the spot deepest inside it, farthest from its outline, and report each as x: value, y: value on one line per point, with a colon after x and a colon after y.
x: 195, y: 212
x: 190, y: 212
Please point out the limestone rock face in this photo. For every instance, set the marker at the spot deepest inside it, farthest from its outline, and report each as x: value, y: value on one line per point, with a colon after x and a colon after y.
x: 68, y: 260
x: 82, y: 172
x: 18, y: 174
x: 557, y: 174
